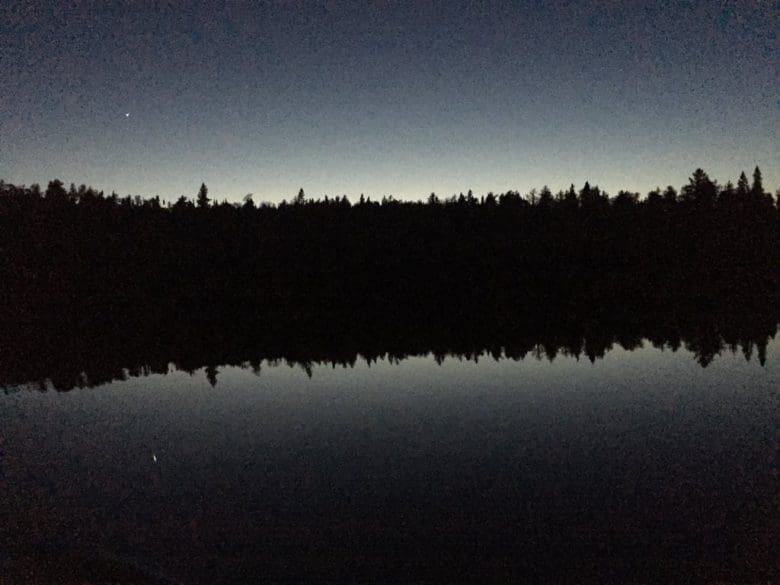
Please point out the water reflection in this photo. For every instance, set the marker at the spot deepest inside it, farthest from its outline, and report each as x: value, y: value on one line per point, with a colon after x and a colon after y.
x: 88, y: 353
x: 639, y: 467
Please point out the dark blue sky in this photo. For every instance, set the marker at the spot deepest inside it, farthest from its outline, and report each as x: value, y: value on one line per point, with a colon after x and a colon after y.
x: 400, y: 98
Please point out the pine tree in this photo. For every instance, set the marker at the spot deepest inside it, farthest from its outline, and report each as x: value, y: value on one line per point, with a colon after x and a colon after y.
x: 742, y: 186
x: 545, y: 198
x: 571, y: 197
x: 203, y: 196
x: 700, y: 188
x: 757, y: 189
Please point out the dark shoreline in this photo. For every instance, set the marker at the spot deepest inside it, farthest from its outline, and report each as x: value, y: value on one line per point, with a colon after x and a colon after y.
x: 95, y: 285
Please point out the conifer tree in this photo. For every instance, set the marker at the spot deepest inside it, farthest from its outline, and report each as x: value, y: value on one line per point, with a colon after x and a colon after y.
x: 203, y: 196
x: 758, y: 188
x: 742, y: 186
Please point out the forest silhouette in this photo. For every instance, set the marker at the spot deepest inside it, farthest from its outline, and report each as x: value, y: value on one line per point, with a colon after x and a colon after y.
x: 95, y: 285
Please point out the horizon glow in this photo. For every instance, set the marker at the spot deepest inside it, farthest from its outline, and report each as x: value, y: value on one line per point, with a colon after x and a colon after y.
x: 393, y: 99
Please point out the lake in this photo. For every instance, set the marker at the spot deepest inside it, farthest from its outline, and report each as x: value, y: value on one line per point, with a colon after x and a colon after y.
x: 639, y: 467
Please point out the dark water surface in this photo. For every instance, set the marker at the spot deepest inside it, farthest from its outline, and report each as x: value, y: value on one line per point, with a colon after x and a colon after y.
x: 641, y: 467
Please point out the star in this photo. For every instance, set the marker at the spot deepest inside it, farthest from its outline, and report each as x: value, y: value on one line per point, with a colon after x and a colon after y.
x: 127, y: 115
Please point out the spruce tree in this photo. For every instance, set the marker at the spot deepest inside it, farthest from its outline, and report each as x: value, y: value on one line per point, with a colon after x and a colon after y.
x: 758, y: 188
x: 742, y: 185
x: 203, y: 196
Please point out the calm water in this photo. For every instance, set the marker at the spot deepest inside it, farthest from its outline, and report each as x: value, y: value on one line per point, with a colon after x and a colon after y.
x: 640, y: 467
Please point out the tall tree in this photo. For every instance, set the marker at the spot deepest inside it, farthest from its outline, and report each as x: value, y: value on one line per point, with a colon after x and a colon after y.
x: 757, y: 190
x: 700, y: 188
x: 203, y: 196
x: 742, y: 186
x: 571, y: 198
x: 545, y: 198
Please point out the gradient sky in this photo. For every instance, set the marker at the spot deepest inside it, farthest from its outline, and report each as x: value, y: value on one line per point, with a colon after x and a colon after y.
x: 382, y: 97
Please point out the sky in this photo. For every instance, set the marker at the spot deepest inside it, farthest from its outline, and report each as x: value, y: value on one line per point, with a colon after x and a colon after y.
x: 386, y: 98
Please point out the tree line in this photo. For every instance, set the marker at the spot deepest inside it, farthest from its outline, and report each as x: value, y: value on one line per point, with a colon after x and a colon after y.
x: 78, y: 250
x: 381, y: 277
